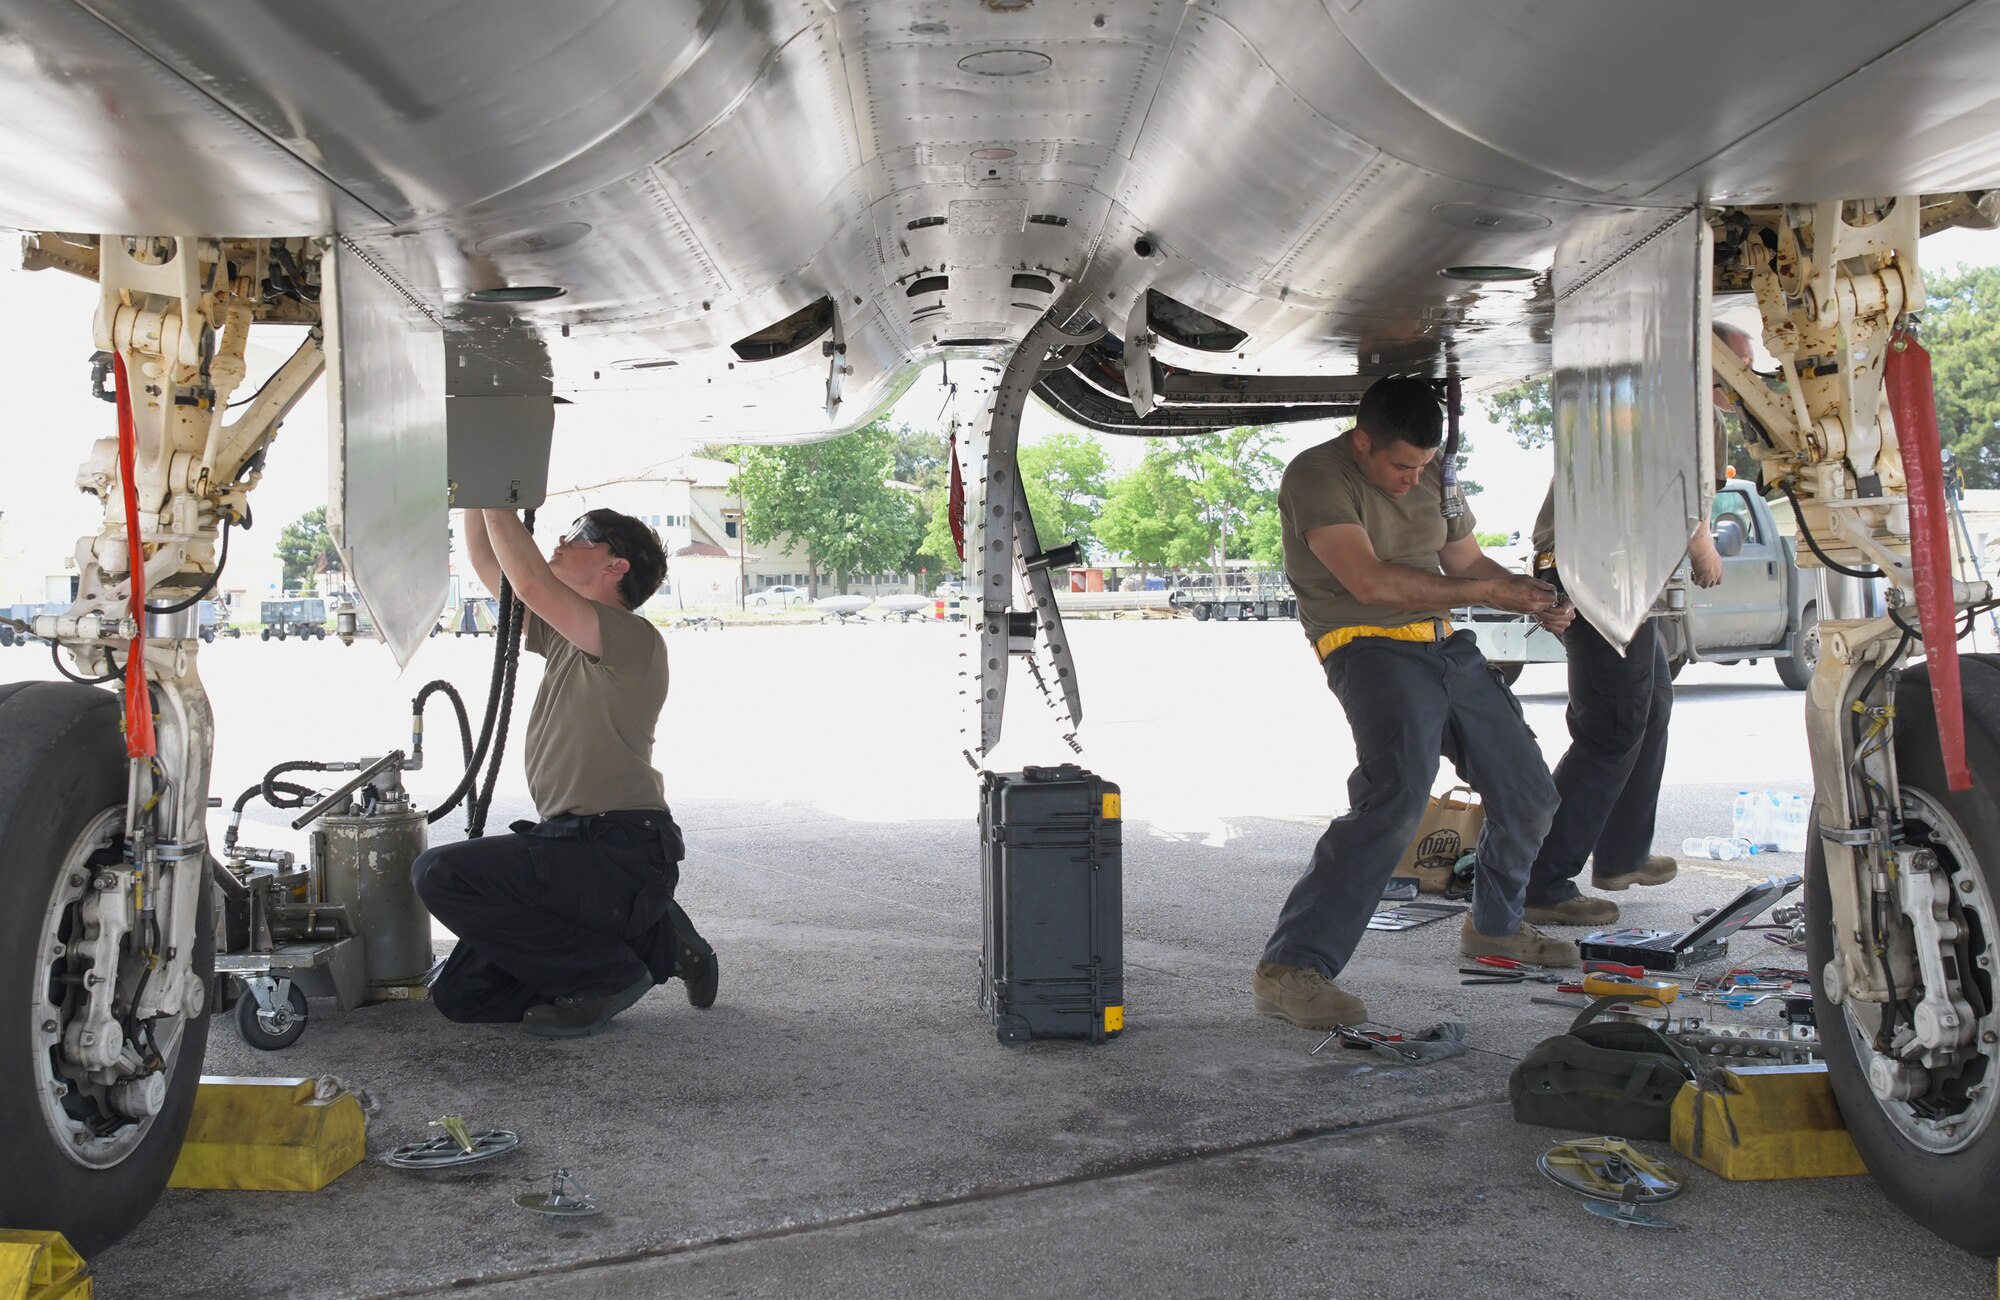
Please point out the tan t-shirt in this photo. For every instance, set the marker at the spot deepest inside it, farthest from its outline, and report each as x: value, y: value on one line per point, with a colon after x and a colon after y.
x: 1324, y: 486
x: 590, y: 734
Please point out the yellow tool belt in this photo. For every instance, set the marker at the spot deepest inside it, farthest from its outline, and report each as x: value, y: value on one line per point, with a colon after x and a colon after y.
x: 1429, y: 629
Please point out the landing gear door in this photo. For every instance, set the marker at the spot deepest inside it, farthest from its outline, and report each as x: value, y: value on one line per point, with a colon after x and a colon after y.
x: 386, y: 483
x: 1634, y: 449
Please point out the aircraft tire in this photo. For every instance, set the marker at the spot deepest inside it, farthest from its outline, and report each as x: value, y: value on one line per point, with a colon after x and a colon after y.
x: 62, y: 771
x: 1508, y: 673
x: 1795, y: 670
x: 1950, y: 1191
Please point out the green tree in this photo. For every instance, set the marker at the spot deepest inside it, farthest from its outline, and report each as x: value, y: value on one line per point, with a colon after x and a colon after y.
x: 938, y: 551
x: 919, y: 457
x: 1064, y: 475
x: 1151, y: 516
x: 1525, y: 410
x: 1233, y: 476
x: 1962, y: 332
x: 835, y: 501
x: 306, y: 547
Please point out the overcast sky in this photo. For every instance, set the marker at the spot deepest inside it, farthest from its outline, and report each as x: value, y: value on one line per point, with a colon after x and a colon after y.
x: 45, y: 329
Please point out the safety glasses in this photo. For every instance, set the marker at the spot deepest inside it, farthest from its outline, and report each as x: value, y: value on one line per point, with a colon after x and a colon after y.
x: 585, y: 531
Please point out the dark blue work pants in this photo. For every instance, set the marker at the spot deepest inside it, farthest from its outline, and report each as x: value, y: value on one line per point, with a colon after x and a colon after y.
x: 1609, y: 780
x: 573, y: 907
x: 1411, y: 703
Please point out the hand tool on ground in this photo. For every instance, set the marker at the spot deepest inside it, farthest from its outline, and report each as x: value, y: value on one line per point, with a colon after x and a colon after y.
x: 1491, y: 976
x: 1636, y: 972
x: 1737, y: 1001
x: 1368, y: 1040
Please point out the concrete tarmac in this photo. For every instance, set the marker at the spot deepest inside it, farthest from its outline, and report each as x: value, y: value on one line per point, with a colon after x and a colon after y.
x: 843, y: 1121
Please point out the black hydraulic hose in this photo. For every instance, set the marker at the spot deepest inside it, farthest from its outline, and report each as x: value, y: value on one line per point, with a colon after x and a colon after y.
x: 55, y: 654
x: 470, y: 779
x: 1799, y: 517
x: 279, y: 794
x: 450, y: 693
x: 283, y: 794
x: 483, y: 803
x: 509, y: 652
x: 221, y: 563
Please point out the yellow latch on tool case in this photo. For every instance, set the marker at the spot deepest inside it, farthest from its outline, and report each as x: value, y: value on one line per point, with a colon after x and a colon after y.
x: 1110, y: 806
x: 1114, y: 1017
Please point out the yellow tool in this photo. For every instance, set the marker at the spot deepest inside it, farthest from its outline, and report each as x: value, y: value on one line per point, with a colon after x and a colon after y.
x: 1661, y: 991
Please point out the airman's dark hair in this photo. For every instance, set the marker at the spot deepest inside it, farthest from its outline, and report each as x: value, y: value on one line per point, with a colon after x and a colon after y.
x: 1402, y: 408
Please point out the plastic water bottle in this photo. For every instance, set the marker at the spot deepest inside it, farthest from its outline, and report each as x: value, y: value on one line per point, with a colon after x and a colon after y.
x: 1720, y: 848
x: 1756, y: 818
x: 1794, y: 815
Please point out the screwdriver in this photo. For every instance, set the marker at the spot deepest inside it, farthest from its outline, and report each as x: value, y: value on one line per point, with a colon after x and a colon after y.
x: 1636, y: 972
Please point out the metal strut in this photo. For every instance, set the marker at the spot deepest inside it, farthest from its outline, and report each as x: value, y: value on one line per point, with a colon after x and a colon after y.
x: 1001, y: 543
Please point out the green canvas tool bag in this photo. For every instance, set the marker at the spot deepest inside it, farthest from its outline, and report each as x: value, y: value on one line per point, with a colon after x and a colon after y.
x: 1603, y: 1076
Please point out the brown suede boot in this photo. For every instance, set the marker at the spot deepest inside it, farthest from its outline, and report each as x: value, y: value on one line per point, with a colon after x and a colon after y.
x: 1526, y: 944
x: 1574, y: 911
x: 1658, y: 870
x: 1305, y: 997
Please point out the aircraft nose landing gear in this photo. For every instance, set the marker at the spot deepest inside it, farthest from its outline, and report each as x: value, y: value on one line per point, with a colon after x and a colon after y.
x: 93, y: 1098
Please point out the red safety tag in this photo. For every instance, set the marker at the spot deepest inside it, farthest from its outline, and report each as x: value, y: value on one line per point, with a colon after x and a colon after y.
x: 139, y: 738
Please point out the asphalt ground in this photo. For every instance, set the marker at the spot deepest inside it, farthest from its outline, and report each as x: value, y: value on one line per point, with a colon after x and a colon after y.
x: 843, y: 1121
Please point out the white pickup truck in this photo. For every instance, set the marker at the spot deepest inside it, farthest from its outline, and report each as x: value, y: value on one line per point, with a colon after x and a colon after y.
x: 1764, y: 608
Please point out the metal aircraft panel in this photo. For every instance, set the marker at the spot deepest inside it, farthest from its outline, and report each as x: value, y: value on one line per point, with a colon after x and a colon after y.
x: 386, y: 502
x: 1634, y: 460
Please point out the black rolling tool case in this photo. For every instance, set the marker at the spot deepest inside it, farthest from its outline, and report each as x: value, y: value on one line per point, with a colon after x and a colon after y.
x: 1052, y: 964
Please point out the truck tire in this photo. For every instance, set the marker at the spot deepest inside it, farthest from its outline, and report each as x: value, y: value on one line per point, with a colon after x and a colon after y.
x: 1795, y: 670
x: 72, y: 1165
x: 263, y: 634
x: 1201, y: 613
x: 1946, y: 1181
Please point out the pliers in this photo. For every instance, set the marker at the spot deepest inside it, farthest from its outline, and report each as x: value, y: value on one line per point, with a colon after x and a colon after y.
x: 1508, y: 970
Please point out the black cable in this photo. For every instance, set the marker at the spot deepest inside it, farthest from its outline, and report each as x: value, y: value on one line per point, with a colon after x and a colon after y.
x: 55, y: 654
x: 1799, y: 517
x: 221, y: 562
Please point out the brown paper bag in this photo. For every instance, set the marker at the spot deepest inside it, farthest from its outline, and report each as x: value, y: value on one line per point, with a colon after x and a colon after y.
x: 1449, y: 830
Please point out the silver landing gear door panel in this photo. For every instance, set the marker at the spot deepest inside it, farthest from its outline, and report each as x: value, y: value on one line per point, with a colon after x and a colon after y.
x: 386, y: 485
x: 1634, y: 449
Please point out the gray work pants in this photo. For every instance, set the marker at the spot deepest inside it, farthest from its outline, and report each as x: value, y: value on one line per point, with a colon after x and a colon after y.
x: 1411, y: 703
